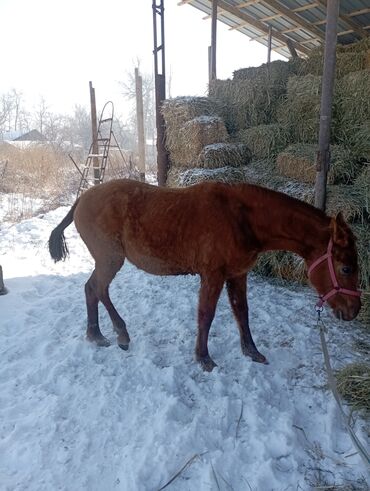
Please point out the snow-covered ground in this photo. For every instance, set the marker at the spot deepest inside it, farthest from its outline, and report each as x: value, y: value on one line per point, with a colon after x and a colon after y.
x: 77, y: 417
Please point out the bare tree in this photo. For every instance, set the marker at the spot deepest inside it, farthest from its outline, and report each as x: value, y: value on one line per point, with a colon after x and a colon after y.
x: 41, y: 112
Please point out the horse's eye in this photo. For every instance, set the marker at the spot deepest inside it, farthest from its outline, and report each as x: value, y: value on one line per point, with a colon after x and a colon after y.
x: 346, y: 270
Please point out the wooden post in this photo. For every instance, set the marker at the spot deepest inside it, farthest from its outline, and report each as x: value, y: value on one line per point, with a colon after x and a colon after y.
x: 3, y: 290
x: 209, y: 64
x: 323, y: 154
x: 214, y: 40
x: 160, y: 92
x: 269, y: 43
x: 94, y: 133
x: 291, y: 48
x: 140, y: 123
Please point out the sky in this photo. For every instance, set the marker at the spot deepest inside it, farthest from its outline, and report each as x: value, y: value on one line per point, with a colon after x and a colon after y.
x: 53, y: 49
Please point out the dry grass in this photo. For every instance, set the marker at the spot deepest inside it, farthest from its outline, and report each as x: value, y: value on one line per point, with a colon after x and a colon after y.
x: 353, y: 383
x: 265, y: 141
x: 36, y: 178
x: 37, y: 171
x: 298, y: 161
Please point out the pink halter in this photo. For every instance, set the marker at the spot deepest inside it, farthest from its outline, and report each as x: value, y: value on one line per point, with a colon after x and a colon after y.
x: 336, y: 288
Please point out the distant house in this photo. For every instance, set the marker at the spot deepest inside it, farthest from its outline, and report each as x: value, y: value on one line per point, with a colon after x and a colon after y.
x: 31, y: 136
x: 22, y: 138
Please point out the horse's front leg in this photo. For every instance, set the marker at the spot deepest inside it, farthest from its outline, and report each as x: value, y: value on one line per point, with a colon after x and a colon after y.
x: 210, y: 289
x: 237, y: 291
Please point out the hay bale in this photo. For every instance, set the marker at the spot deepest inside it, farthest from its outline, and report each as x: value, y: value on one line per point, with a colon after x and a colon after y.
x: 353, y: 382
x: 275, y: 74
x: 364, y: 315
x: 224, y: 155
x: 283, y: 266
x: 353, y: 100
x: 357, y: 139
x: 264, y: 173
x: 299, y: 162
x: 362, y: 185
x: 300, y: 110
x: 173, y: 176
x: 346, y: 62
x: 362, y: 232
x: 179, y: 111
x: 222, y: 174
x: 347, y: 199
x: 265, y: 141
x: 245, y: 103
x: 194, y: 135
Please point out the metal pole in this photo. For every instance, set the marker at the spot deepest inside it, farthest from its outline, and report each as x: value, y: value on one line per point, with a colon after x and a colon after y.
x: 323, y: 154
x: 214, y: 40
x: 94, y: 132
x: 160, y: 93
x: 140, y: 123
x: 269, y: 43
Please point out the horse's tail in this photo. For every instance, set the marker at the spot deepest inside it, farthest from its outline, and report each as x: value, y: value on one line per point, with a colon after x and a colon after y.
x: 57, y: 243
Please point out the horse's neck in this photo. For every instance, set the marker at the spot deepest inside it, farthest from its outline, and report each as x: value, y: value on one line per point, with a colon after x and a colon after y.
x: 285, y: 224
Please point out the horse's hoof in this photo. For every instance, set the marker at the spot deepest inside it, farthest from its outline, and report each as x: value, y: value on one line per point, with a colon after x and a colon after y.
x: 101, y: 341
x: 207, y: 363
x: 123, y: 346
x: 255, y: 355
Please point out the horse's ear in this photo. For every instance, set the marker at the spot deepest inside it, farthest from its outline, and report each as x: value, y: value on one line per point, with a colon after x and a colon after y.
x: 339, y: 230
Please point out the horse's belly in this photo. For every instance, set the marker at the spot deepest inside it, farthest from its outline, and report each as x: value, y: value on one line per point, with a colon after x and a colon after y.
x: 155, y: 265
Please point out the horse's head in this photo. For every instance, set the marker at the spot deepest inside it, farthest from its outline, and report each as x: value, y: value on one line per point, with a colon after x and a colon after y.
x: 335, y: 273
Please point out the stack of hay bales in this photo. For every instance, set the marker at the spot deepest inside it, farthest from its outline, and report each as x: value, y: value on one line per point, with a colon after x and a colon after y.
x: 349, y: 59
x: 252, y: 97
x: 196, y: 137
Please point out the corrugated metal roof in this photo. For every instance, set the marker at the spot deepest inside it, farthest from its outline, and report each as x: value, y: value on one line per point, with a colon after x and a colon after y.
x: 300, y: 21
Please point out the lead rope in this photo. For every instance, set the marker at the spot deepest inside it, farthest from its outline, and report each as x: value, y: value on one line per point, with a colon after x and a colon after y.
x: 333, y: 386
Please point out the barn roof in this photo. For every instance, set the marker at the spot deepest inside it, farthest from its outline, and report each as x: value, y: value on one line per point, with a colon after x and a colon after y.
x: 302, y: 22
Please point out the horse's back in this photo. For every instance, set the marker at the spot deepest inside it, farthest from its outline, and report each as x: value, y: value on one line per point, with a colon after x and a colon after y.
x: 165, y: 230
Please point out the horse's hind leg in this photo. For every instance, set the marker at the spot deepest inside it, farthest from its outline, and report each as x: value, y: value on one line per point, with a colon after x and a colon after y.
x: 105, y: 272
x: 93, y: 332
x: 237, y: 291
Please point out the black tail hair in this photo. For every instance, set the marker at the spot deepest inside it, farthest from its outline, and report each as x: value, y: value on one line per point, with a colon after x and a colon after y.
x: 57, y: 243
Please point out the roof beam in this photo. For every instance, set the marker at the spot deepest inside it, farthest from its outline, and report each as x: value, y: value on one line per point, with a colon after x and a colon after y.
x: 239, y: 6
x: 358, y: 12
x: 259, y: 25
x: 307, y: 26
x: 306, y: 7
x: 349, y: 21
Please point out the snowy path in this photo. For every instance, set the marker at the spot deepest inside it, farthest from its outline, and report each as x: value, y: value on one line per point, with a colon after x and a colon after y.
x: 77, y: 417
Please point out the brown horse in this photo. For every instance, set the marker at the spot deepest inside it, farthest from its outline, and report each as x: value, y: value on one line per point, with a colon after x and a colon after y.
x: 211, y: 229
